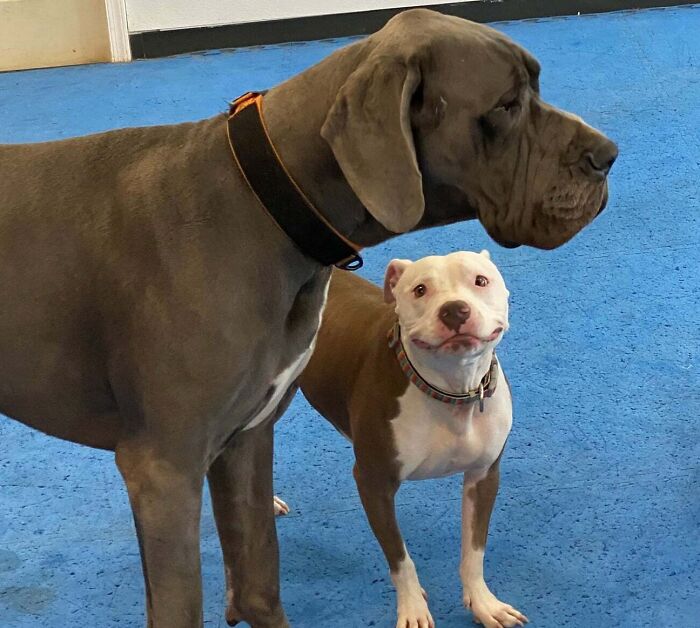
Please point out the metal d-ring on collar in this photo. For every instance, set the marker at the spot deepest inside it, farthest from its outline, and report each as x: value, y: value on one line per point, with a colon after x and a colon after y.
x: 486, y: 387
x: 278, y: 193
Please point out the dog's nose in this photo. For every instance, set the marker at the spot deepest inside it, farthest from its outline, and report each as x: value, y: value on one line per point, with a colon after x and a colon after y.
x: 453, y: 314
x: 597, y: 160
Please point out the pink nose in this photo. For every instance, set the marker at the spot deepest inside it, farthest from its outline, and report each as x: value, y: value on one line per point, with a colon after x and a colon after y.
x: 453, y: 314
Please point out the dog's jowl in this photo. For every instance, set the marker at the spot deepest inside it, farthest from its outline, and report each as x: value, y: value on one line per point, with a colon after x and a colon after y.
x: 151, y: 305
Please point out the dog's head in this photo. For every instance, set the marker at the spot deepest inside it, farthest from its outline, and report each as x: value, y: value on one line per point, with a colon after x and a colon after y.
x: 452, y: 305
x: 442, y: 120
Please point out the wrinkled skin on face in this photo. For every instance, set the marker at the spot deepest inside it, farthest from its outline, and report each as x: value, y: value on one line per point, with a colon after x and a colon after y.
x: 426, y: 291
x: 523, y: 164
x: 450, y: 124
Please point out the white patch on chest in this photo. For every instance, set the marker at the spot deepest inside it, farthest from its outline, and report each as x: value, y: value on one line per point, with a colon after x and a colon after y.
x: 284, y: 379
x: 434, y: 439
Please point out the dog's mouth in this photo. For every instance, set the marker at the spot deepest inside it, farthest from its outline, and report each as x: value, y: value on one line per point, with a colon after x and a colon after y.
x: 603, y: 202
x: 459, y: 342
x: 575, y: 204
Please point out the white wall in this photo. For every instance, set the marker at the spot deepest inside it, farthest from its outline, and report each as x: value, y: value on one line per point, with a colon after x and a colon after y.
x: 148, y: 15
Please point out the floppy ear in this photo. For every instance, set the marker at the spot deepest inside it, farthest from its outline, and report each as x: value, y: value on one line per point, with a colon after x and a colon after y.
x: 369, y: 130
x: 393, y: 273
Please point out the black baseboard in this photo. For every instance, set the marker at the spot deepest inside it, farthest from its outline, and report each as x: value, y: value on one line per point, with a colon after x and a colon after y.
x: 152, y: 44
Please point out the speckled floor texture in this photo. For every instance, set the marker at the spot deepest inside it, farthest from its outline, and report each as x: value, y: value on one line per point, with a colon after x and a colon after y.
x: 597, y: 524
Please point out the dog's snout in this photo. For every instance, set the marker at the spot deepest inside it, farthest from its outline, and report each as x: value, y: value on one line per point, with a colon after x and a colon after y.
x: 597, y: 160
x: 453, y: 314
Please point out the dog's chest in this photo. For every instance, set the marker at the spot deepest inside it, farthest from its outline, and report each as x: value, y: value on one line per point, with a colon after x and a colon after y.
x: 434, y: 439
x: 287, y: 376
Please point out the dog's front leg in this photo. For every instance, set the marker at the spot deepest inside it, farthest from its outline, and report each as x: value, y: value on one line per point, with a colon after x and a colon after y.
x: 377, y: 492
x: 165, y: 491
x: 478, y: 498
x: 240, y: 480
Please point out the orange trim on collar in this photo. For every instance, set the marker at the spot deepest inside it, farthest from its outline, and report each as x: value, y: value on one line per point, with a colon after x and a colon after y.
x: 351, y: 259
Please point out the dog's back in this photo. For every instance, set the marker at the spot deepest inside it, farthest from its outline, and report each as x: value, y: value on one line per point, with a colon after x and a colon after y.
x: 354, y: 329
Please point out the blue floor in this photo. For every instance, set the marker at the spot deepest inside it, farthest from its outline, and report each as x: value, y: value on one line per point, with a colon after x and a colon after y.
x: 598, y: 519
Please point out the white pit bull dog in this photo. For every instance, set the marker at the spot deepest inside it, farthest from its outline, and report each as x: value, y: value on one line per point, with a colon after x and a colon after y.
x: 412, y: 379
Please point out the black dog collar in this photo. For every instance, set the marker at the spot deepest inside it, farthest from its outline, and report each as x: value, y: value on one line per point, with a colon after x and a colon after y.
x: 277, y: 191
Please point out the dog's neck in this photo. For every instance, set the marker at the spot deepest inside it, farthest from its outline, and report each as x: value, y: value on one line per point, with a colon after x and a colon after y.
x: 295, y: 112
x: 451, y: 373
x: 307, y: 156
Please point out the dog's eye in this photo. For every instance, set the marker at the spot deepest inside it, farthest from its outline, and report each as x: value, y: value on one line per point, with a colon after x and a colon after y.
x: 419, y: 290
x: 500, y: 119
x: 481, y: 281
x: 510, y: 106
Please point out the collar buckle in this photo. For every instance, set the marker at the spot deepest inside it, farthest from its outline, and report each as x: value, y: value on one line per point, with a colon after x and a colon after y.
x: 353, y: 263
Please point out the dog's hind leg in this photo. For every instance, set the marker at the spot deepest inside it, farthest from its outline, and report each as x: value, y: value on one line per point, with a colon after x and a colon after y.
x: 165, y: 494
x: 240, y: 480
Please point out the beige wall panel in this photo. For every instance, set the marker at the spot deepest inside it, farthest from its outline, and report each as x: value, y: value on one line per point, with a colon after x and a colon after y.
x: 46, y: 33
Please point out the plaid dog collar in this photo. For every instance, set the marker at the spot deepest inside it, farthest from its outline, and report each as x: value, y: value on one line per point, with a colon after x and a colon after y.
x: 486, y: 387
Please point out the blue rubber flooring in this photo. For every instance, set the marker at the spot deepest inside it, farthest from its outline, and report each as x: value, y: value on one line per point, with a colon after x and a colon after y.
x: 598, y: 519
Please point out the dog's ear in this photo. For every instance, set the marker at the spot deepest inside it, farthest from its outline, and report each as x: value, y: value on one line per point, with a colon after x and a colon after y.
x: 485, y: 253
x: 369, y: 130
x: 393, y: 273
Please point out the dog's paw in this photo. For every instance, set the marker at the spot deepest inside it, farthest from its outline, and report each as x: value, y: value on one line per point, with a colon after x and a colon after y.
x: 488, y: 610
x: 414, y: 613
x: 280, y: 507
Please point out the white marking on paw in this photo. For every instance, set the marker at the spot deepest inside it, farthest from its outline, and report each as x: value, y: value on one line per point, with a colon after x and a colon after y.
x: 489, y: 610
x: 281, y: 508
x: 411, y: 600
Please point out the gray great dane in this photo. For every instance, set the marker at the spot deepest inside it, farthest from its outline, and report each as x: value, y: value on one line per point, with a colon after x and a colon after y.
x: 151, y: 307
